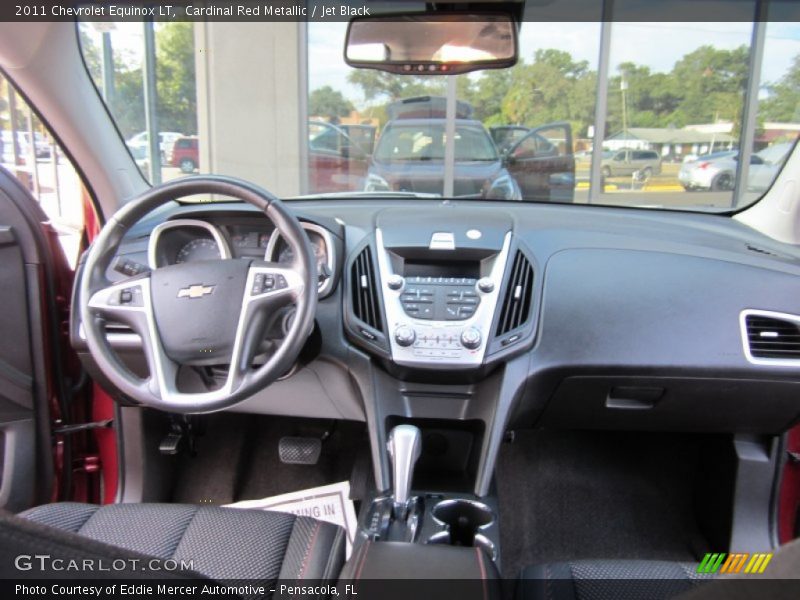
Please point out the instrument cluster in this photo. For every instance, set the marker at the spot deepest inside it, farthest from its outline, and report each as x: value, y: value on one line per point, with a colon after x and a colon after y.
x: 193, y: 240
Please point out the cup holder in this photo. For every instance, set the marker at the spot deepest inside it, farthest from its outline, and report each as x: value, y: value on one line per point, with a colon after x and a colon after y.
x: 463, y: 521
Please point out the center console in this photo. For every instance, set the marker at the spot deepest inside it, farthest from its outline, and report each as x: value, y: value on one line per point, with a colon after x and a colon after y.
x: 442, y: 303
x: 421, y: 536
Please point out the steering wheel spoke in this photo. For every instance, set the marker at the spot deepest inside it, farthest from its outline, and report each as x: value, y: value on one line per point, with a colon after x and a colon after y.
x: 269, y: 287
x: 272, y: 286
x: 121, y: 301
x: 129, y: 302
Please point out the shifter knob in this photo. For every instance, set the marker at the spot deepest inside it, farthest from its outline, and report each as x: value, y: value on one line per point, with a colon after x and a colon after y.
x: 404, y: 449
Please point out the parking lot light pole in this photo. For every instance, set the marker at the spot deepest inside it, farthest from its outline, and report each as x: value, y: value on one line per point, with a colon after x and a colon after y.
x: 150, y: 97
x: 623, y: 87
x: 108, y: 70
x: 601, y: 104
x: 450, y: 139
x: 750, y: 110
x: 105, y: 29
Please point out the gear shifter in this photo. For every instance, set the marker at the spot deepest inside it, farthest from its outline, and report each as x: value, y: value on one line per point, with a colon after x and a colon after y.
x: 404, y: 448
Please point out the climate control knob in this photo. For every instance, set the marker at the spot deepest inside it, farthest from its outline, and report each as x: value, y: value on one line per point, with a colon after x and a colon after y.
x: 404, y: 335
x: 485, y: 285
x: 471, y: 338
x: 395, y: 282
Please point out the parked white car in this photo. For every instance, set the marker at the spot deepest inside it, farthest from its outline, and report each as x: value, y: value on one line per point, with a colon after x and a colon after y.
x: 717, y: 171
x: 165, y: 141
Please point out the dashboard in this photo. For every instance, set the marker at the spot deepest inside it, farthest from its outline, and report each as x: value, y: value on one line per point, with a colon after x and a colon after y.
x: 513, y: 314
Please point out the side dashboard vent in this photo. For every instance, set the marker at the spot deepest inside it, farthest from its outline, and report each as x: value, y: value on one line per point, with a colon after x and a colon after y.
x: 516, y: 307
x: 773, y: 337
x: 365, y: 291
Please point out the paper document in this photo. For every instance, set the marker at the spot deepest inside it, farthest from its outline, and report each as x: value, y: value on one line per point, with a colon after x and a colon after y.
x: 329, y: 503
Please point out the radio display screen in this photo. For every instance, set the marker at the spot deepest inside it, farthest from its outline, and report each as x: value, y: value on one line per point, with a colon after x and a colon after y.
x: 425, y: 268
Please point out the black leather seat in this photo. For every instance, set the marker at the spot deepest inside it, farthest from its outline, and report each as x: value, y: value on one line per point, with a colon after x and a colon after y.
x: 221, y: 543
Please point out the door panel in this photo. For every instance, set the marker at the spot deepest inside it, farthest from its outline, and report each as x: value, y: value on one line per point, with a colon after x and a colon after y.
x: 17, y: 429
x: 27, y: 368
x: 543, y: 164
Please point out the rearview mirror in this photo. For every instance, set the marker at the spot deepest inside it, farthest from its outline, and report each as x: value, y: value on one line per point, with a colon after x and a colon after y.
x: 426, y: 44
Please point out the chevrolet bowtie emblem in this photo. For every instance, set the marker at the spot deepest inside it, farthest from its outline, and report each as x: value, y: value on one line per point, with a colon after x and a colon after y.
x: 195, y: 291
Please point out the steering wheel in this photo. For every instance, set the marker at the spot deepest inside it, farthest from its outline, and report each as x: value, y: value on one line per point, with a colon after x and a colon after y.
x: 198, y: 313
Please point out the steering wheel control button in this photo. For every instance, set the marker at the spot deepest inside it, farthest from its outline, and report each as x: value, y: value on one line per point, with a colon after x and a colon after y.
x: 485, y: 285
x: 267, y: 282
x: 258, y: 284
x: 131, y: 296
x: 129, y: 268
x: 471, y: 338
x: 404, y: 335
x: 395, y: 282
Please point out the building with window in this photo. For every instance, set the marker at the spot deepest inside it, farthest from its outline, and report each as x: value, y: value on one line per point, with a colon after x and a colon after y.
x: 672, y: 143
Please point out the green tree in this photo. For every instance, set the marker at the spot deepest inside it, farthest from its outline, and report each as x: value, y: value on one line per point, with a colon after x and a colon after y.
x: 327, y: 102
x: 783, y: 103
x: 379, y: 85
x: 175, y: 78
x: 175, y: 81
x: 487, y: 96
x: 712, y: 84
x: 554, y: 87
x: 91, y: 55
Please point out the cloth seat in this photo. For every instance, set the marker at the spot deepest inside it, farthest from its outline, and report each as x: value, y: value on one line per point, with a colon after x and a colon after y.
x: 612, y: 579
x: 659, y: 580
x: 219, y: 543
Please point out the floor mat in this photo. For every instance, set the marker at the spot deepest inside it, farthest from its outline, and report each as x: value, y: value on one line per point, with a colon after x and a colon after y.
x: 572, y: 495
x: 209, y: 477
x: 238, y: 459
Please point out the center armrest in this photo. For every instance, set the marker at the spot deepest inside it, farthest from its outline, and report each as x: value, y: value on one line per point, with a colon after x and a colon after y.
x: 401, y: 560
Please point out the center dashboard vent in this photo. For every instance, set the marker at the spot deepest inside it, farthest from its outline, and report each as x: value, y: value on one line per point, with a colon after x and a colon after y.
x: 773, y: 337
x: 365, y: 291
x: 516, y: 307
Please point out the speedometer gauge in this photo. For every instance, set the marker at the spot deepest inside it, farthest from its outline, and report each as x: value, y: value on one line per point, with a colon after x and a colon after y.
x: 323, y: 247
x: 198, y: 249
x: 317, y: 244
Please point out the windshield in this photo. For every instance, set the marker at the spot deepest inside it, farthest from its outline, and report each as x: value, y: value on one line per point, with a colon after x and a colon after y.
x: 593, y: 113
x: 426, y: 141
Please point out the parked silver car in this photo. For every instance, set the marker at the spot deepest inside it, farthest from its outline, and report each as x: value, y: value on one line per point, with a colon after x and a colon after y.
x: 628, y: 161
x: 717, y: 171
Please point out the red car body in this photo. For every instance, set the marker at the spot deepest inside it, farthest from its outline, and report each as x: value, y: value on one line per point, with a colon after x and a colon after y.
x: 185, y: 154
